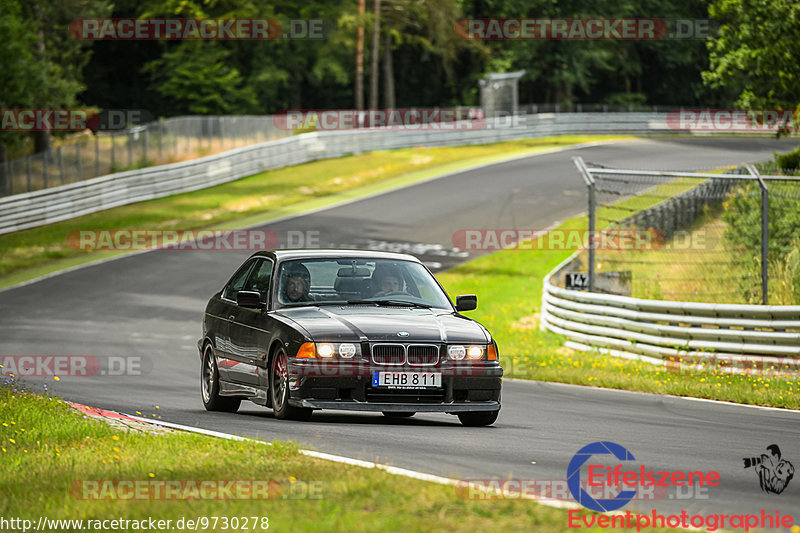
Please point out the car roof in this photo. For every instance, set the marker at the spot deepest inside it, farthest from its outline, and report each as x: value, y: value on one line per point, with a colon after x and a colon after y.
x: 317, y: 253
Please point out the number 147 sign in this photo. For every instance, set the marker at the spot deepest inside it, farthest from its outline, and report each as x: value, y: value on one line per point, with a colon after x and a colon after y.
x: 577, y: 281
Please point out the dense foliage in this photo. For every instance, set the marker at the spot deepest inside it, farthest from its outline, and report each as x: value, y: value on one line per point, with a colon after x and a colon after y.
x: 421, y: 59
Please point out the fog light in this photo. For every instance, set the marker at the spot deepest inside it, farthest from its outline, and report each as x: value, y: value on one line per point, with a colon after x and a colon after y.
x: 347, y: 350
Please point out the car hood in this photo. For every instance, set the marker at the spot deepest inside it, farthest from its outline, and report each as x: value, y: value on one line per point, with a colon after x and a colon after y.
x: 351, y: 323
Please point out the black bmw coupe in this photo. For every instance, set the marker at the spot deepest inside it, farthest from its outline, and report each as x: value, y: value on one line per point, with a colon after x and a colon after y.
x: 299, y: 330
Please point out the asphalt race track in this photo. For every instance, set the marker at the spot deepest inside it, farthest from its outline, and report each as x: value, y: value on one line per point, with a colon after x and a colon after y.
x: 149, y: 306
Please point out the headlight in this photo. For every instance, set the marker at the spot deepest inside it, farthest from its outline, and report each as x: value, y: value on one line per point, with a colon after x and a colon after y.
x: 325, y: 350
x: 347, y: 350
x: 473, y: 352
x: 329, y: 350
x: 456, y: 352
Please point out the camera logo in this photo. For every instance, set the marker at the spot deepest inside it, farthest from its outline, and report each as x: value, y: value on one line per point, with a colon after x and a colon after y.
x: 774, y: 473
x: 574, y: 476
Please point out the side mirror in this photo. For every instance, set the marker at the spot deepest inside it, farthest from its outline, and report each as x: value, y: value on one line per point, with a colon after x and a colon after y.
x: 466, y: 302
x: 249, y: 299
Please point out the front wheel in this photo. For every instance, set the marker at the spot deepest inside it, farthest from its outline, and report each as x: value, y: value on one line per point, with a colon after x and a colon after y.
x: 279, y: 390
x: 478, y: 418
x: 209, y: 386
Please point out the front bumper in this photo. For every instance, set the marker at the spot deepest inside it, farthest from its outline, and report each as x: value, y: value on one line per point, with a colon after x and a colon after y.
x: 348, y: 386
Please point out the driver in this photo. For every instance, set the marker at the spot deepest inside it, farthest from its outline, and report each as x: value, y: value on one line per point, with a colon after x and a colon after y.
x: 387, y: 280
x: 297, y: 281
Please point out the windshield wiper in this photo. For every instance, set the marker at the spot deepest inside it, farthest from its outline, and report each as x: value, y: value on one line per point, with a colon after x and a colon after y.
x: 391, y: 303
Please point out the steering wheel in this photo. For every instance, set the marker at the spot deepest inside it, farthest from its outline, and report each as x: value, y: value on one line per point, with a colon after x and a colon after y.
x: 392, y: 293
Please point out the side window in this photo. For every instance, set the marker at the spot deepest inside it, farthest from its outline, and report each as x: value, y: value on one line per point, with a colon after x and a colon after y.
x: 259, y: 279
x: 237, y: 281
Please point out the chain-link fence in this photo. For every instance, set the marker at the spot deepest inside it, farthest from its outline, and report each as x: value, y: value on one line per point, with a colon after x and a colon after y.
x: 731, y: 237
x: 176, y: 139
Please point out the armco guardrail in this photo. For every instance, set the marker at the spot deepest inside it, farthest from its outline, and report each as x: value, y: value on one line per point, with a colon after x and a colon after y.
x: 38, y: 208
x: 680, y: 331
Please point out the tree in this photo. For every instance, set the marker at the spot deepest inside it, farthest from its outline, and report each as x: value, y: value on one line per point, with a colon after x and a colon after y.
x: 43, y: 63
x: 198, y: 79
x: 20, y: 77
x: 757, y: 52
x: 59, y: 55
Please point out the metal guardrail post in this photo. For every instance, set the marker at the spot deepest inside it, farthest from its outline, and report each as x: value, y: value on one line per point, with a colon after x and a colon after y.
x: 113, y: 153
x: 764, y: 232
x: 44, y: 166
x: 96, y: 154
x: 589, y: 180
x: 28, y: 170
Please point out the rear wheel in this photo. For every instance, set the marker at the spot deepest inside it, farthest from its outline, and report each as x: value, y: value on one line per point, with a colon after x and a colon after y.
x: 209, y: 386
x: 398, y: 414
x: 478, y: 418
x: 279, y: 390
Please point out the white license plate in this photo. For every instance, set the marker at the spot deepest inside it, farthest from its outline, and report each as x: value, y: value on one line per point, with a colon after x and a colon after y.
x: 406, y: 380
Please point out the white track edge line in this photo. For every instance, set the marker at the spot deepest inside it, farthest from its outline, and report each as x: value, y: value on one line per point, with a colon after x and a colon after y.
x: 413, y: 474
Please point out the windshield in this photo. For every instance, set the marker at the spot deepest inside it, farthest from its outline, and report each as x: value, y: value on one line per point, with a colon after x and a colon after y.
x: 342, y: 281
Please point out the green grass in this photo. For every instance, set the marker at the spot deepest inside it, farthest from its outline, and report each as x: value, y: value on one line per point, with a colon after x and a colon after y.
x: 509, y: 288
x: 256, y: 199
x: 47, y: 449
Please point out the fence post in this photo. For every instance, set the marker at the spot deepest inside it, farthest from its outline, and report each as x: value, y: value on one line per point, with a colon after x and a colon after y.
x: 146, y: 140
x: 130, y: 149
x: 113, y: 153
x: 160, y: 140
x: 28, y: 170
x: 764, y: 232
x: 61, y: 164
x: 9, y: 176
x: 80, y: 166
x: 589, y: 180
x: 44, y: 165
x: 96, y: 154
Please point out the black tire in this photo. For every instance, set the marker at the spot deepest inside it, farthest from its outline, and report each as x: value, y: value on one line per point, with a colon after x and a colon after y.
x: 209, y: 385
x: 279, y: 390
x: 478, y: 418
x: 398, y: 414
